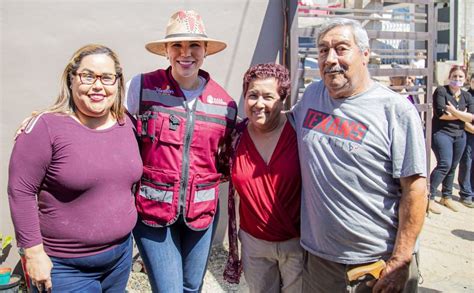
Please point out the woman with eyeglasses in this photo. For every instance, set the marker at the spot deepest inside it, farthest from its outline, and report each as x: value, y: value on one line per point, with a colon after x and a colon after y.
x: 71, y: 198
x: 183, y: 121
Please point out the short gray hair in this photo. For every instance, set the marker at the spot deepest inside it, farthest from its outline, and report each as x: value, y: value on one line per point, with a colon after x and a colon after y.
x: 360, y: 34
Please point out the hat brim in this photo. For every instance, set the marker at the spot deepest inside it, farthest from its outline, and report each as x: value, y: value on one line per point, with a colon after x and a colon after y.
x: 159, y: 47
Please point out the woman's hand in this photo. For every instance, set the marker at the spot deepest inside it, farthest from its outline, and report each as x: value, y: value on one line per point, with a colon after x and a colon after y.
x: 456, y: 114
x: 38, y: 266
x: 469, y: 127
x: 450, y: 108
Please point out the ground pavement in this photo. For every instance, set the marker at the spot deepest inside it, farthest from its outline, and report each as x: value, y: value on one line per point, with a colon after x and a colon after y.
x: 447, y: 251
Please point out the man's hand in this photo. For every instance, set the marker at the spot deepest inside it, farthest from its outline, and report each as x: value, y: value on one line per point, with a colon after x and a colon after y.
x: 394, y: 277
x: 411, y: 212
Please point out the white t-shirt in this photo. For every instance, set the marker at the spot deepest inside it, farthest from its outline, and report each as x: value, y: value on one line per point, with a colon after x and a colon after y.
x: 418, y: 63
x: 133, y: 87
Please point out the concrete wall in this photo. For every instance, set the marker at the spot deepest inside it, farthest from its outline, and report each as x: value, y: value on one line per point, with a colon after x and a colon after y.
x: 465, y: 20
x: 39, y: 36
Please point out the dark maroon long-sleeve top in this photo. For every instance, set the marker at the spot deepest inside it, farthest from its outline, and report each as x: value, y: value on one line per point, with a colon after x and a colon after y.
x: 69, y: 186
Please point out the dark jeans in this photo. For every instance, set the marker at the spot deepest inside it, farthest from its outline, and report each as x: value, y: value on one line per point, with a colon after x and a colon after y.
x: 448, y: 151
x: 419, y: 81
x: 466, y: 174
x: 104, y: 272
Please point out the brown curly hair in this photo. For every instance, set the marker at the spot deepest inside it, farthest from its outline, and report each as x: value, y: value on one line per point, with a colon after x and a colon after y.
x: 269, y: 70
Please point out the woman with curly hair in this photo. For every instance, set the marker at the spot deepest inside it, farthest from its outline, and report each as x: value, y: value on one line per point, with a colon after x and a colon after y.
x: 266, y: 176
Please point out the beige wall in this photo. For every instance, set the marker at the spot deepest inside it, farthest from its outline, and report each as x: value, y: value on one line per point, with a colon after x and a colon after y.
x: 466, y: 13
x: 38, y: 37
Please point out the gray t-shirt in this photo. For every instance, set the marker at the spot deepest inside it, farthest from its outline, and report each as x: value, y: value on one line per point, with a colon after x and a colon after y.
x: 352, y: 153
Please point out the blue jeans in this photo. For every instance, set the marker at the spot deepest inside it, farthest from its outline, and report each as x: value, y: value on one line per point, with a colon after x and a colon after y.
x: 466, y: 174
x: 104, y: 272
x: 448, y: 151
x: 175, y: 257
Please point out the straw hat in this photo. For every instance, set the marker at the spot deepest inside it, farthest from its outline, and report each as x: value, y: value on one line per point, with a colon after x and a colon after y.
x: 185, y: 25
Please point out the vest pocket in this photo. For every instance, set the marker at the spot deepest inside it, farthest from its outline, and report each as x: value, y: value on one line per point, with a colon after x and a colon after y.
x: 148, y: 126
x: 152, y: 193
x: 207, y: 136
x: 157, y: 197
x: 172, y: 129
x: 205, y: 143
x: 202, y: 203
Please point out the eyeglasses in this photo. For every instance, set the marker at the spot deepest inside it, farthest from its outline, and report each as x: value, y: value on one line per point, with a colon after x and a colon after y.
x: 90, y: 78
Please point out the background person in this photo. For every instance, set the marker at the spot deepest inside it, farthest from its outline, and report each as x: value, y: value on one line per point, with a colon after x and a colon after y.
x: 71, y: 200
x: 184, y: 118
x: 465, y: 172
x: 362, y: 153
x: 266, y: 175
x: 408, y: 84
x: 448, y: 137
x: 419, y: 62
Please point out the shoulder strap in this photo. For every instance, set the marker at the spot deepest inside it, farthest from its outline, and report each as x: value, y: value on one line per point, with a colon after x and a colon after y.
x: 140, y: 96
x: 30, y: 122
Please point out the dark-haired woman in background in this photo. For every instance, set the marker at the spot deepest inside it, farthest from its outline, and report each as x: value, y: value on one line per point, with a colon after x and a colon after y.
x: 449, y: 137
x: 465, y: 172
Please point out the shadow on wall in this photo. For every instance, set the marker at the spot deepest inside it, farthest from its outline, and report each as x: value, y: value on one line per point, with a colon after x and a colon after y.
x: 265, y: 51
x: 271, y: 33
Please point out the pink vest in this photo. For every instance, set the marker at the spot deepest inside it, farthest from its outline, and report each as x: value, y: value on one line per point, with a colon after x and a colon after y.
x: 179, y: 148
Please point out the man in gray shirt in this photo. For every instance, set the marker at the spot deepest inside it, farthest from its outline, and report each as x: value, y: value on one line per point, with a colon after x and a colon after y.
x: 363, y: 162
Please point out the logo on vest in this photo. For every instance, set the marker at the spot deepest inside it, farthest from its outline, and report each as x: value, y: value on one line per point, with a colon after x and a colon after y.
x: 167, y: 91
x: 217, y: 101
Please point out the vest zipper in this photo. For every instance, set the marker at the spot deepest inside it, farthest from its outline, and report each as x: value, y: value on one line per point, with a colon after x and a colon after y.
x: 190, y: 113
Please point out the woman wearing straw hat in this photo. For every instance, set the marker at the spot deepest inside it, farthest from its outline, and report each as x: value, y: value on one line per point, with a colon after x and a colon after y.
x: 184, y: 119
